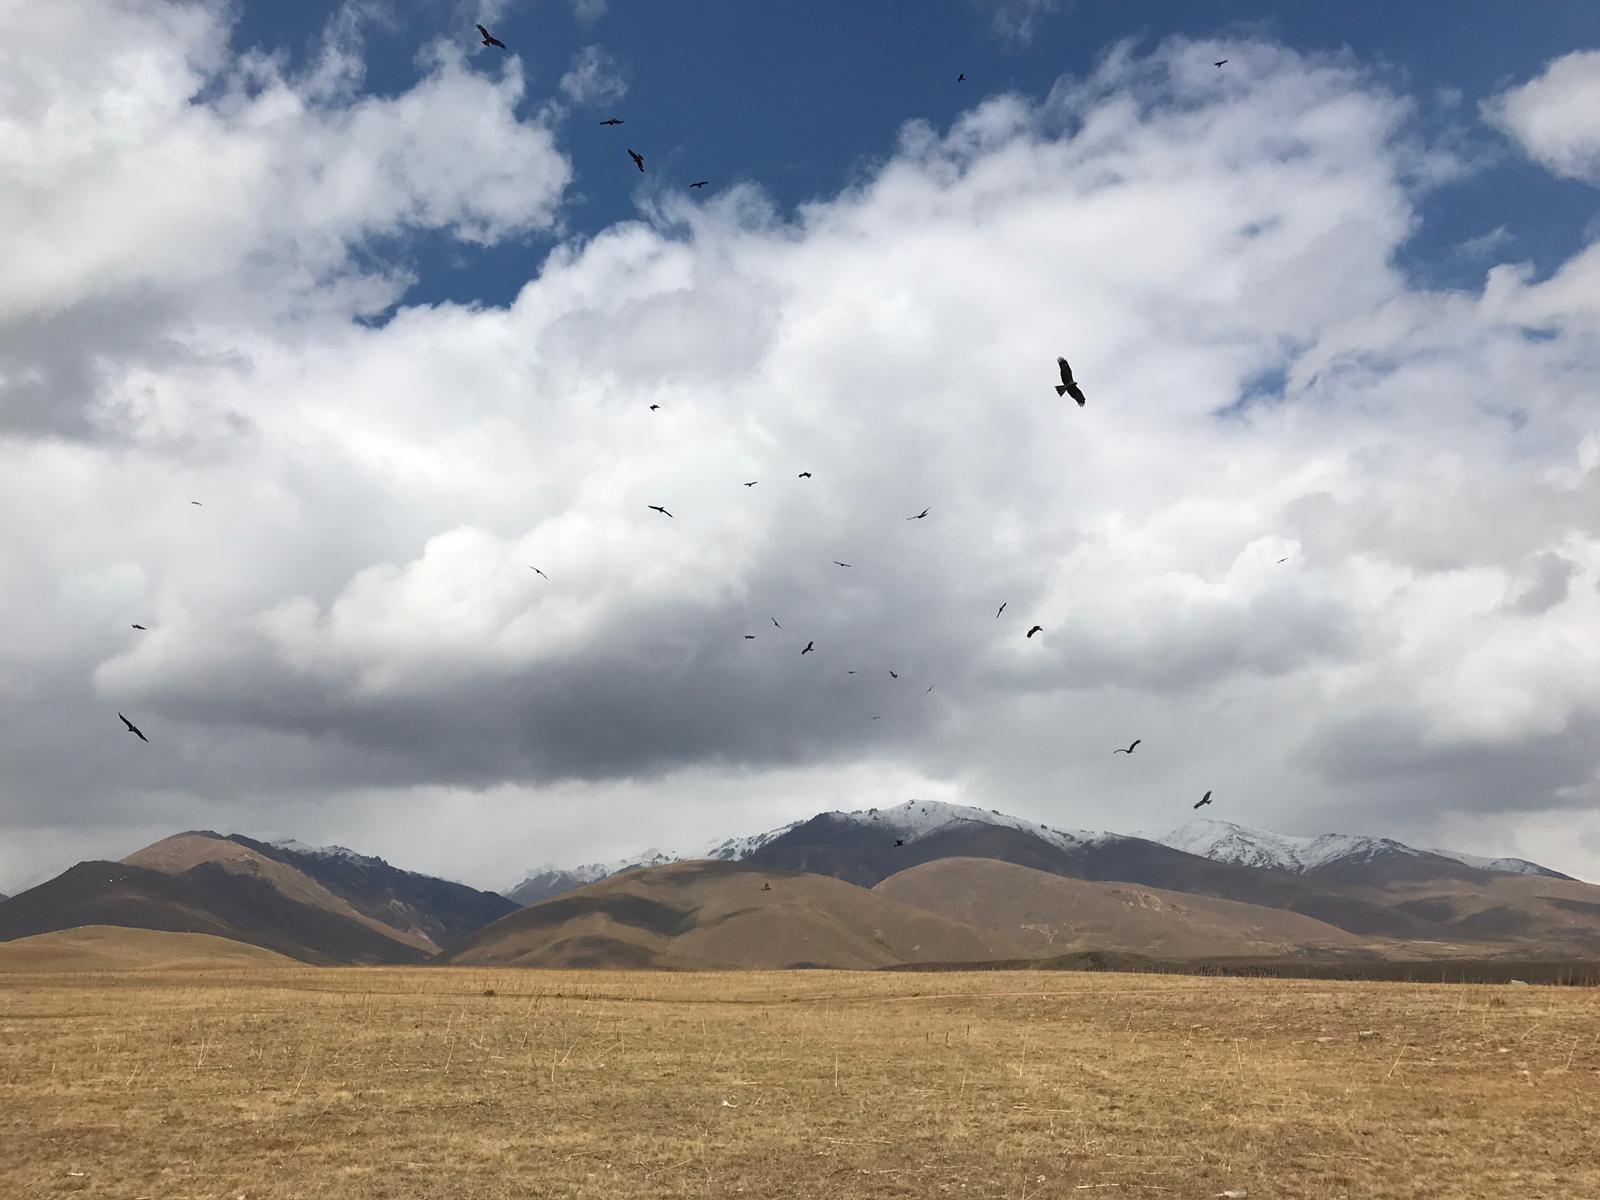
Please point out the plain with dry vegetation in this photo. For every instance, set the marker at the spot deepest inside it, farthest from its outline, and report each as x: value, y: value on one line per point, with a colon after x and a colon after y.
x: 459, y: 1082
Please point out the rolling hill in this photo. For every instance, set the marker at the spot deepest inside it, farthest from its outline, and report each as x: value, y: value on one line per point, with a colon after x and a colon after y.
x: 114, y: 948
x: 1040, y: 914
x: 707, y: 914
x: 214, y: 896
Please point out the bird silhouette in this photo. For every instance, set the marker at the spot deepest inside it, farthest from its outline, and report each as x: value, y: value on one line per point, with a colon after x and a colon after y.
x: 749, y: 637
x: 1129, y: 750
x: 1068, y: 386
x: 1218, y: 64
x: 919, y: 516
x: 489, y: 39
x: 899, y: 841
x: 1036, y: 629
x: 961, y: 78
x: 775, y: 623
x: 803, y: 475
x: 1001, y: 609
x: 638, y: 160
x: 653, y: 407
x: 837, y: 563
x: 810, y: 646
x: 852, y: 672
x: 699, y: 183
x: 877, y: 718
x: 539, y: 573
x: 196, y: 503
x: 752, y: 483
x: 134, y: 729
x: 659, y: 509
x: 892, y: 675
x: 612, y: 121
x: 1206, y: 799
x: 1281, y: 561
x: 930, y: 688
x: 140, y: 627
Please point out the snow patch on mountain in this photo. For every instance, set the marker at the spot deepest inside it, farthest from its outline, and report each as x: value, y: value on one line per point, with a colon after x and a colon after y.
x: 1223, y: 841
x: 916, y: 819
x: 739, y: 848
x: 295, y: 846
x: 1503, y: 866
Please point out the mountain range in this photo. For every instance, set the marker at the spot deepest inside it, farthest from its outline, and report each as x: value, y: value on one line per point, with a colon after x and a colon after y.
x: 915, y: 882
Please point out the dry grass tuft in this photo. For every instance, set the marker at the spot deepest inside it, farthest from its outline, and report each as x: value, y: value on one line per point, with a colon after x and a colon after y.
x: 410, y: 1083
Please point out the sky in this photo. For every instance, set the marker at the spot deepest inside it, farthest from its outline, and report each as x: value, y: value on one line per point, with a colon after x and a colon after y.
x: 394, y: 307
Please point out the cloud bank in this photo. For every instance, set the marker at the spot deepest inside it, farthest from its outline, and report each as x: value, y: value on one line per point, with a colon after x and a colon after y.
x: 346, y: 641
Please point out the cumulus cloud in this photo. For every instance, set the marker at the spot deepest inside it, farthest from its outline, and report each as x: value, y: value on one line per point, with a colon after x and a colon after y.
x: 1554, y: 116
x: 346, y: 641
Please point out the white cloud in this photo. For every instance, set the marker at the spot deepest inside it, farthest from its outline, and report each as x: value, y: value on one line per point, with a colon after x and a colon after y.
x: 593, y: 78
x: 1555, y: 117
x: 587, y: 12
x: 1014, y: 20
x: 346, y: 642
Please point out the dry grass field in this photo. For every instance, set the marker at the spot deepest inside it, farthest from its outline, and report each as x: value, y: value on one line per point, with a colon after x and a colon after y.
x: 456, y: 1083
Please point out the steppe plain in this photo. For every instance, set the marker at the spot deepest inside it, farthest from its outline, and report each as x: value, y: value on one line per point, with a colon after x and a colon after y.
x: 155, y: 1074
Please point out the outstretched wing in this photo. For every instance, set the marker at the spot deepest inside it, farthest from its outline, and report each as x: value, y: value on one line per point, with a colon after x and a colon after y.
x: 1066, y: 371
x: 1076, y: 393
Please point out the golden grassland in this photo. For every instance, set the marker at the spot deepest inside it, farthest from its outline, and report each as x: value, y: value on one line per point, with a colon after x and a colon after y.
x: 439, y: 1082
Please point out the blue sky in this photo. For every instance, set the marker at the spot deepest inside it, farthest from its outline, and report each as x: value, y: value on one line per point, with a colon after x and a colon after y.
x: 803, y: 99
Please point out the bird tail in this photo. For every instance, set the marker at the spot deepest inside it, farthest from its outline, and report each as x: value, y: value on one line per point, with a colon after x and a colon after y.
x: 1061, y: 389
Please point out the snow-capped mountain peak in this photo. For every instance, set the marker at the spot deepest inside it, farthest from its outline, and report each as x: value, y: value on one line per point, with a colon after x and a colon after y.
x: 295, y: 846
x: 916, y: 819
x: 1223, y: 841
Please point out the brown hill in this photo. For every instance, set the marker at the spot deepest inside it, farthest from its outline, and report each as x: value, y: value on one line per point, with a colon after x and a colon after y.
x: 207, y: 898
x: 1037, y: 913
x: 717, y: 915
x: 112, y: 948
x: 184, y: 851
x: 1513, y: 913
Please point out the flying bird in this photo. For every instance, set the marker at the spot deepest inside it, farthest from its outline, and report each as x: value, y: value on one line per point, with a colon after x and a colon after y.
x: 489, y: 39
x: 1218, y: 64
x: 659, y: 509
x: 196, y: 503
x: 892, y: 675
x: 1036, y: 629
x: 134, y: 729
x: 930, y: 688
x: 877, y: 718
x: 899, y: 841
x: 638, y: 160
x: 653, y: 407
x: 1001, y: 609
x: 1281, y: 561
x: 1206, y: 799
x: 749, y: 637
x: 803, y: 475
x: 699, y: 183
x: 961, y: 78
x: 919, y: 516
x: 140, y: 627
x: 539, y: 573
x: 1129, y: 750
x: 775, y: 623
x: 612, y: 121
x: 837, y: 563
x: 752, y: 483
x: 1068, y: 386
x: 852, y: 672
x: 810, y: 646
